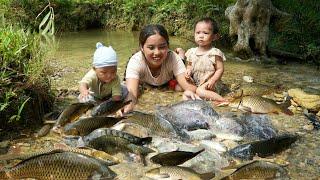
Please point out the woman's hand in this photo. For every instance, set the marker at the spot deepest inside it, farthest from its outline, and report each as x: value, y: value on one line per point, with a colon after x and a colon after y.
x: 187, y: 95
x: 126, y: 109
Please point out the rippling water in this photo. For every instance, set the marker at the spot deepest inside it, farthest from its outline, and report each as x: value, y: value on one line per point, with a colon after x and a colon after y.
x: 74, y: 56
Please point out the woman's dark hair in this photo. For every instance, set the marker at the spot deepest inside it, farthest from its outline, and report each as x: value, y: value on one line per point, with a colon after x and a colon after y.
x: 214, y: 25
x: 150, y: 30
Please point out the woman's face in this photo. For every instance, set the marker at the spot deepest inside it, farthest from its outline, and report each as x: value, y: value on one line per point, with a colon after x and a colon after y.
x: 155, y: 50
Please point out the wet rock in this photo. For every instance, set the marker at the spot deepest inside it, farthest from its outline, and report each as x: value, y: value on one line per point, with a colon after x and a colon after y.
x: 230, y: 143
x: 207, y: 161
x: 318, y: 114
x: 201, y: 134
x: 308, y: 101
x: 213, y: 146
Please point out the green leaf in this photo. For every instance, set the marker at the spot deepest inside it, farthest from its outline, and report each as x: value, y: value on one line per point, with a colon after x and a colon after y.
x: 44, y: 20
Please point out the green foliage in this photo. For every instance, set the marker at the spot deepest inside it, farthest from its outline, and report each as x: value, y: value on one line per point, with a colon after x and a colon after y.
x: 301, y: 33
x: 22, y: 70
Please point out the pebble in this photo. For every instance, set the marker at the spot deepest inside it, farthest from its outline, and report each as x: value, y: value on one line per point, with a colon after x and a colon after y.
x: 248, y: 79
x: 308, y: 127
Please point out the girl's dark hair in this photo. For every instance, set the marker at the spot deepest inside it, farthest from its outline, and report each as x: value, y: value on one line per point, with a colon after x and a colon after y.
x: 150, y: 30
x: 214, y: 25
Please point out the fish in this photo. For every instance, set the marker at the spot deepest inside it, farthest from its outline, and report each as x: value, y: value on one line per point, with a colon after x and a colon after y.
x: 174, y: 158
x: 132, y: 128
x: 72, y: 112
x: 85, y: 126
x: 108, y: 107
x: 184, y: 118
x: 189, y: 115
x: 258, y: 170
x: 257, y: 126
x: 59, y: 165
x: 109, y: 160
x: 313, y: 119
x: 176, y: 172
x: 160, y: 127
x: 116, y: 133
x: 263, y: 148
x: 252, y: 89
x: 113, y: 141
x: 258, y: 104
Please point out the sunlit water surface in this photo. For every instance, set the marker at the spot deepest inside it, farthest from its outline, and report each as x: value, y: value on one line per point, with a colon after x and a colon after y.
x: 74, y: 57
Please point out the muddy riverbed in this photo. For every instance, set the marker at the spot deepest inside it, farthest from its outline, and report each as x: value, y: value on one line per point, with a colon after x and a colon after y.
x: 73, y: 59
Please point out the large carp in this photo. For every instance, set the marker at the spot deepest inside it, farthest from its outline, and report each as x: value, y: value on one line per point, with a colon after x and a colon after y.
x: 85, y: 126
x: 159, y: 127
x: 109, y: 160
x: 258, y: 104
x: 61, y: 166
x: 263, y: 148
x: 177, y: 172
x: 258, y: 170
x: 72, y: 112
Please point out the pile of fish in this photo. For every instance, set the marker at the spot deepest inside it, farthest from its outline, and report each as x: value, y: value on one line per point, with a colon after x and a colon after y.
x: 185, y: 140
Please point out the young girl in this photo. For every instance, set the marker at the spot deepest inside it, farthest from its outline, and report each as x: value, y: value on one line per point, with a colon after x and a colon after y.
x: 155, y: 65
x: 205, y: 63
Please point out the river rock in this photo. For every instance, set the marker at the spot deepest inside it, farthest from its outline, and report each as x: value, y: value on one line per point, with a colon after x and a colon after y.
x: 308, y: 101
x: 201, y: 134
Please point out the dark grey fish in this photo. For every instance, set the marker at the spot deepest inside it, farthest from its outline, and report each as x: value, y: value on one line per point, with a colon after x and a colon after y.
x: 263, y: 148
x: 114, y: 144
x: 313, y: 119
x: 184, y: 118
x: 59, y: 165
x: 108, y: 107
x: 116, y: 133
x: 259, y: 170
x: 257, y: 126
x: 174, y: 158
x: 85, y: 126
x: 72, y: 112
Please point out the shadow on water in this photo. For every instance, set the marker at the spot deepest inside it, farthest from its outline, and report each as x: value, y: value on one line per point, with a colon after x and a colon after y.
x: 74, y: 56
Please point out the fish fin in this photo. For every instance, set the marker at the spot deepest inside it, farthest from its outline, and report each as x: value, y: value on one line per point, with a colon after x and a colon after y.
x: 200, y: 151
x: 287, y: 111
x: 146, y: 140
x: 208, y: 175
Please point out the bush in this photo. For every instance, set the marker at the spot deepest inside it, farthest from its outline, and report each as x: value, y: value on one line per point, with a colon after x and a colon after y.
x: 23, y: 78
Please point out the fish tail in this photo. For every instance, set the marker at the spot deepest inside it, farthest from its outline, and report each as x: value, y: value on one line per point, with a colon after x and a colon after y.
x: 3, y: 174
x: 287, y: 111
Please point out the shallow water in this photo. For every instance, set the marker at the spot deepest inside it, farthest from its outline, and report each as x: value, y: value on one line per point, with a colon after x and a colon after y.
x: 74, y: 56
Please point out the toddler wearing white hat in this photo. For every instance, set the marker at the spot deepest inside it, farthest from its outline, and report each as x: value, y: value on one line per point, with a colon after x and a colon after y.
x: 102, y: 81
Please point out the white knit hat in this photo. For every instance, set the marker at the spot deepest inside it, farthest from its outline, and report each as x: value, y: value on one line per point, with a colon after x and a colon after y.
x: 104, y: 56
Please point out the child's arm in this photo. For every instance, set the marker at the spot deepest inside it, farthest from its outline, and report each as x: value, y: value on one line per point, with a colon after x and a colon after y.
x: 219, y: 69
x: 188, y: 71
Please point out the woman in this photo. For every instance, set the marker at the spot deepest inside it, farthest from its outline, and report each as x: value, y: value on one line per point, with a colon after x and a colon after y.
x: 156, y: 65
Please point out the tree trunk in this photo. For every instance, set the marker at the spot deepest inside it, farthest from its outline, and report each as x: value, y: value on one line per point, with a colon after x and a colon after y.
x: 249, y: 21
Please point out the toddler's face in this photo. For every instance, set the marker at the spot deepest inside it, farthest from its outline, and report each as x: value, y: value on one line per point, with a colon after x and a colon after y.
x: 203, y: 34
x: 155, y: 50
x: 106, y: 74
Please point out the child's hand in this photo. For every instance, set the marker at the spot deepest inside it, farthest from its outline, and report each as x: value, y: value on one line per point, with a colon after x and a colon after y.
x: 188, y: 74
x: 180, y: 52
x: 85, y: 96
x: 210, y: 85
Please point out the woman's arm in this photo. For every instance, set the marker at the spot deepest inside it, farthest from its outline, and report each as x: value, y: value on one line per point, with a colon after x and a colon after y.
x: 133, y: 89
x: 184, y: 83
